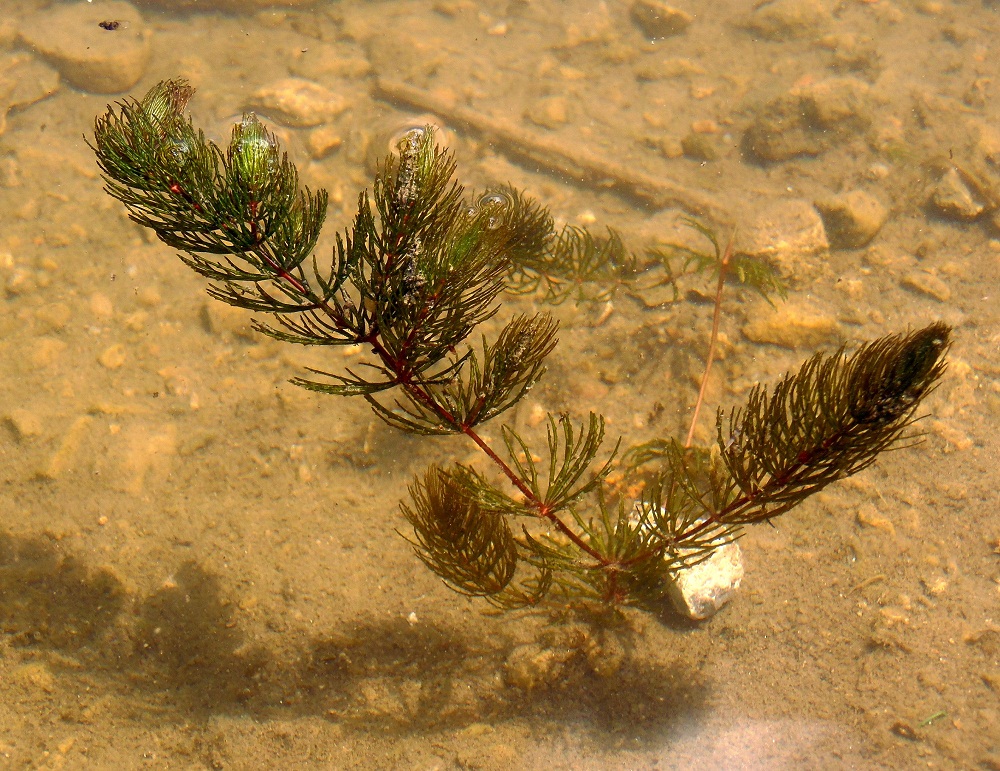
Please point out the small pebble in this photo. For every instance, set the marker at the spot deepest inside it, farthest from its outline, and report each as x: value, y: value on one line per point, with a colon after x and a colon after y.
x: 549, y: 112
x: 658, y: 20
x: 112, y: 357
x: 928, y: 284
x: 852, y: 219
x: 297, y: 102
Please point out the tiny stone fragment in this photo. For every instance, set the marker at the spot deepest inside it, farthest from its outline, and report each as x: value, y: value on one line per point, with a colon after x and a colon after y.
x: 953, y: 199
x: 549, y: 112
x: 658, y: 20
x: 928, y: 284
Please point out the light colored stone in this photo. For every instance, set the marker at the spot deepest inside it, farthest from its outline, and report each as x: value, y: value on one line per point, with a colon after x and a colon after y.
x: 54, y: 316
x: 792, y: 326
x: 102, y: 48
x: 549, y: 112
x: 852, y: 219
x: 322, y: 61
x: 298, y: 103
x: 700, y: 591
x: 101, y: 306
x: 789, y: 19
x: 927, y: 283
x: 112, y: 357
x: 323, y: 141
x: 951, y: 197
x: 658, y: 20
x: 63, y: 459
x: 26, y: 424
x: 24, y: 80
x: 783, y: 233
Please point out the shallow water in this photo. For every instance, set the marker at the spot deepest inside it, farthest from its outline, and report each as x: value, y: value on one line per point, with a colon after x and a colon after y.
x: 198, y: 561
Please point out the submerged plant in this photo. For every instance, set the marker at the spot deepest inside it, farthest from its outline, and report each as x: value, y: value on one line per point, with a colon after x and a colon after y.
x: 420, y: 269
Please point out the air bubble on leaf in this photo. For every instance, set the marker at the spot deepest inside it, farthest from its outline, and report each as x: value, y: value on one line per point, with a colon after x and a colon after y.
x: 386, y: 141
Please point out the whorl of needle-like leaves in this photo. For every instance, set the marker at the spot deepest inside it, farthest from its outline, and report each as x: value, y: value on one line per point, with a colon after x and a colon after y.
x: 474, y: 391
x: 829, y: 420
x: 244, y: 203
x: 471, y: 549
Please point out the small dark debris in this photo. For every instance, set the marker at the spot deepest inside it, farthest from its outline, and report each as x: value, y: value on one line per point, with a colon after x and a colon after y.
x: 110, y: 26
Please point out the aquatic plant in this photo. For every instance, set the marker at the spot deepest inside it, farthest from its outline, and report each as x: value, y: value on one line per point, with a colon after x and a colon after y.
x: 423, y: 265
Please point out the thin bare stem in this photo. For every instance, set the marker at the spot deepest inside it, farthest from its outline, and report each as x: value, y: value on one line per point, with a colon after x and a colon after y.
x: 716, y: 316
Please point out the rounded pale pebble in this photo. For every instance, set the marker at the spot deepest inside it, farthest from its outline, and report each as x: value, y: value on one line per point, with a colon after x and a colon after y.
x: 549, y: 112
x: 101, y: 306
x: 792, y: 326
x: 852, y: 219
x: 102, y: 48
x: 323, y: 141
x: 148, y: 296
x: 658, y: 20
x: 928, y: 284
x: 112, y: 357
x: 54, y: 316
x: 789, y: 19
x: 298, y: 103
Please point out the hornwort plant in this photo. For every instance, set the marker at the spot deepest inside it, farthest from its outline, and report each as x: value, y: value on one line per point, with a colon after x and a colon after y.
x: 421, y: 267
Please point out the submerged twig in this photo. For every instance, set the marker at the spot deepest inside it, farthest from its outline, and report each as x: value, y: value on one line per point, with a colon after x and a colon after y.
x: 555, y: 156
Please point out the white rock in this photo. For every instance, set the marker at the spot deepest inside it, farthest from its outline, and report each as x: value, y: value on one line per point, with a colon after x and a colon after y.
x: 699, y: 592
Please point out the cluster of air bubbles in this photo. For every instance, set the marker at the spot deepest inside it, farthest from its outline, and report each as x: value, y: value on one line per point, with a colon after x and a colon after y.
x: 387, y: 140
x: 494, y: 205
x: 179, y: 148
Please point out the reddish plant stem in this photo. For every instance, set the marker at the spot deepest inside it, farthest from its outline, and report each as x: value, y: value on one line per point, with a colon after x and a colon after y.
x: 716, y: 316
x: 405, y: 378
